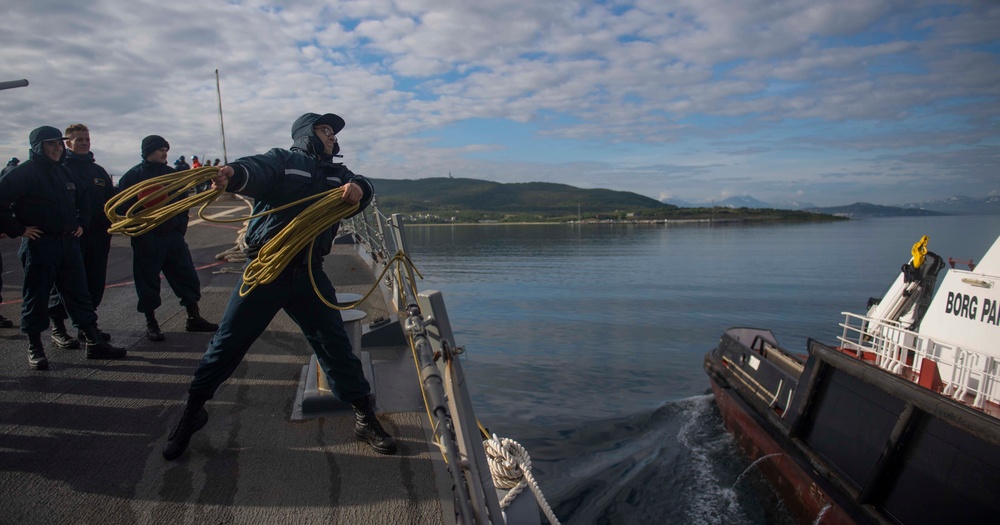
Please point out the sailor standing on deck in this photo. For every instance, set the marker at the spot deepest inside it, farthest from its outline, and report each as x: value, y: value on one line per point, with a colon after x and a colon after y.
x: 95, y: 243
x: 40, y: 201
x: 163, y: 249
x: 11, y: 164
x: 4, y: 322
x: 181, y: 164
x: 273, y: 179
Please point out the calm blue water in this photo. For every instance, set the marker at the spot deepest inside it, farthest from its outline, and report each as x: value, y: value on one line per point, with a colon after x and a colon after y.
x: 585, y: 343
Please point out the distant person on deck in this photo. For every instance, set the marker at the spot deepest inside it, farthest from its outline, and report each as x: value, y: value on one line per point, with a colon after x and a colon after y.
x: 41, y: 202
x: 95, y: 243
x: 181, y: 164
x: 273, y: 179
x: 11, y: 164
x: 195, y: 163
x: 162, y: 249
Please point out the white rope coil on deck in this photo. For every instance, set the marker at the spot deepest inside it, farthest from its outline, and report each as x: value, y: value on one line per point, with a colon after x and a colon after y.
x: 510, y: 466
x: 237, y: 254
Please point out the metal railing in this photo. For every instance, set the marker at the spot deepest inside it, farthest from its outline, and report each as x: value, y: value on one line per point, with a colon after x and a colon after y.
x: 369, y: 228
x: 442, y: 379
x: 964, y: 372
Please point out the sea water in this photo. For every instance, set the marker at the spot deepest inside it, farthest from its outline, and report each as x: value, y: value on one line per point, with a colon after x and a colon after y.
x: 585, y: 342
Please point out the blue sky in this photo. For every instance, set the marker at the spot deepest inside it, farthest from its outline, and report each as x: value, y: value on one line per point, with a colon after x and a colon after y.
x: 809, y: 101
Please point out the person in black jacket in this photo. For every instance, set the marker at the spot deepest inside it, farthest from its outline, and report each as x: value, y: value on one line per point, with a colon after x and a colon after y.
x: 11, y: 164
x: 4, y: 322
x: 273, y: 179
x: 95, y: 243
x: 41, y: 202
x: 163, y: 250
x: 181, y: 164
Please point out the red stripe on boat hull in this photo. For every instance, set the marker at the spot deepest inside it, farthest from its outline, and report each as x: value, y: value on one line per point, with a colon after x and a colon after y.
x: 801, y: 495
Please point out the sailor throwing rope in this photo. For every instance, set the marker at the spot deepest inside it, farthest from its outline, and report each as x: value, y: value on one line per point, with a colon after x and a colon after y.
x: 281, y: 182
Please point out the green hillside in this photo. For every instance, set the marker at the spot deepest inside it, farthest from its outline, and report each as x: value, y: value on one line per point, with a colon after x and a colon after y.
x: 450, y: 200
x: 441, y: 194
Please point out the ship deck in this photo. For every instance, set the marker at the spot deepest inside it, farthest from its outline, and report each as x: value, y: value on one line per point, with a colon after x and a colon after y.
x: 80, y: 443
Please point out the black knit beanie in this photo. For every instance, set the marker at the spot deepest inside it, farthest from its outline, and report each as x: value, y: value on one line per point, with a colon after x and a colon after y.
x: 153, y: 143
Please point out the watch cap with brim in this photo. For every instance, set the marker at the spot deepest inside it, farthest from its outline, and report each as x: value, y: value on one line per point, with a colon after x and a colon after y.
x: 40, y: 135
x: 303, y: 136
x: 334, y: 121
x: 44, y: 134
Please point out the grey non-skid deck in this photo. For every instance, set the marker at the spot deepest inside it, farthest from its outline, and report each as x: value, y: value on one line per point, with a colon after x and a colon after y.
x: 80, y: 443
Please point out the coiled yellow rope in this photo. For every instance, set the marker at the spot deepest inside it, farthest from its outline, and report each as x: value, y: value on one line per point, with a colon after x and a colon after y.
x: 274, y: 256
x: 156, y: 204
x: 153, y: 206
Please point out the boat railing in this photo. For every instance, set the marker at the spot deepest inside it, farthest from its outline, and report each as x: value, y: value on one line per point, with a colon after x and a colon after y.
x: 965, y: 375
x: 975, y: 375
x: 446, y: 396
x: 369, y: 228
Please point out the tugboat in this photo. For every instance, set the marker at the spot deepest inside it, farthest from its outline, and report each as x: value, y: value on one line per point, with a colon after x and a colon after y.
x: 897, y: 423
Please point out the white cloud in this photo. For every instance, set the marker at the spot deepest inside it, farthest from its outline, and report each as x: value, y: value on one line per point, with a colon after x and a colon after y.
x: 682, y: 97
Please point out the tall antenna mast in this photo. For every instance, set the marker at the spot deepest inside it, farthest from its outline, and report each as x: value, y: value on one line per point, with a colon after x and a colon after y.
x: 222, y: 125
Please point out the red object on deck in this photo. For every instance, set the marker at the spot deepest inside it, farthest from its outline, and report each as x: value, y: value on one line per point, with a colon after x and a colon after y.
x: 929, y: 376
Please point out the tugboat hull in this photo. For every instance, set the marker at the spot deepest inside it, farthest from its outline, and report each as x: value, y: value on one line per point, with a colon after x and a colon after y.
x: 800, y: 494
x: 846, y: 442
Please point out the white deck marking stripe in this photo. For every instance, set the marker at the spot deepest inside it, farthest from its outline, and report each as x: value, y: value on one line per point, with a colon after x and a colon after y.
x: 228, y: 211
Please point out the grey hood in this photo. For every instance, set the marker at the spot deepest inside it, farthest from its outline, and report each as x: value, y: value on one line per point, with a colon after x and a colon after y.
x: 305, y: 139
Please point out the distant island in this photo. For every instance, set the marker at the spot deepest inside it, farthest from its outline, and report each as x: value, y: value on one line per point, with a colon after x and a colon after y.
x: 864, y: 209
x: 446, y: 200
x: 954, y: 205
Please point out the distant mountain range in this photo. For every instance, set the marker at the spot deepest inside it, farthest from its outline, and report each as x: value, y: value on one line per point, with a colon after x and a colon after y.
x: 960, y: 205
x: 864, y: 209
x: 742, y: 201
x: 957, y: 205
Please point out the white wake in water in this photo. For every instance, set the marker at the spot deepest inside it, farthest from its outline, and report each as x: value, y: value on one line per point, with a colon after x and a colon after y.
x: 710, y: 500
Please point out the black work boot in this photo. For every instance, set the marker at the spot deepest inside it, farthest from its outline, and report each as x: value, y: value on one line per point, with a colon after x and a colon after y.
x: 6, y: 323
x: 197, y: 323
x: 368, y: 429
x: 83, y: 337
x: 192, y: 420
x: 153, y: 332
x: 36, y: 352
x: 60, y: 338
x: 98, y: 348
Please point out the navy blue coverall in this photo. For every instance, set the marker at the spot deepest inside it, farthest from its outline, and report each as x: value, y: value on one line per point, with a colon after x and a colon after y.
x: 273, y: 179
x: 162, y: 249
x: 42, y: 193
x: 95, y: 243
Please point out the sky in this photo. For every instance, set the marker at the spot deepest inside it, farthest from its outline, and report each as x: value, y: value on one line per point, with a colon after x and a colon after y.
x: 788, y: 101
